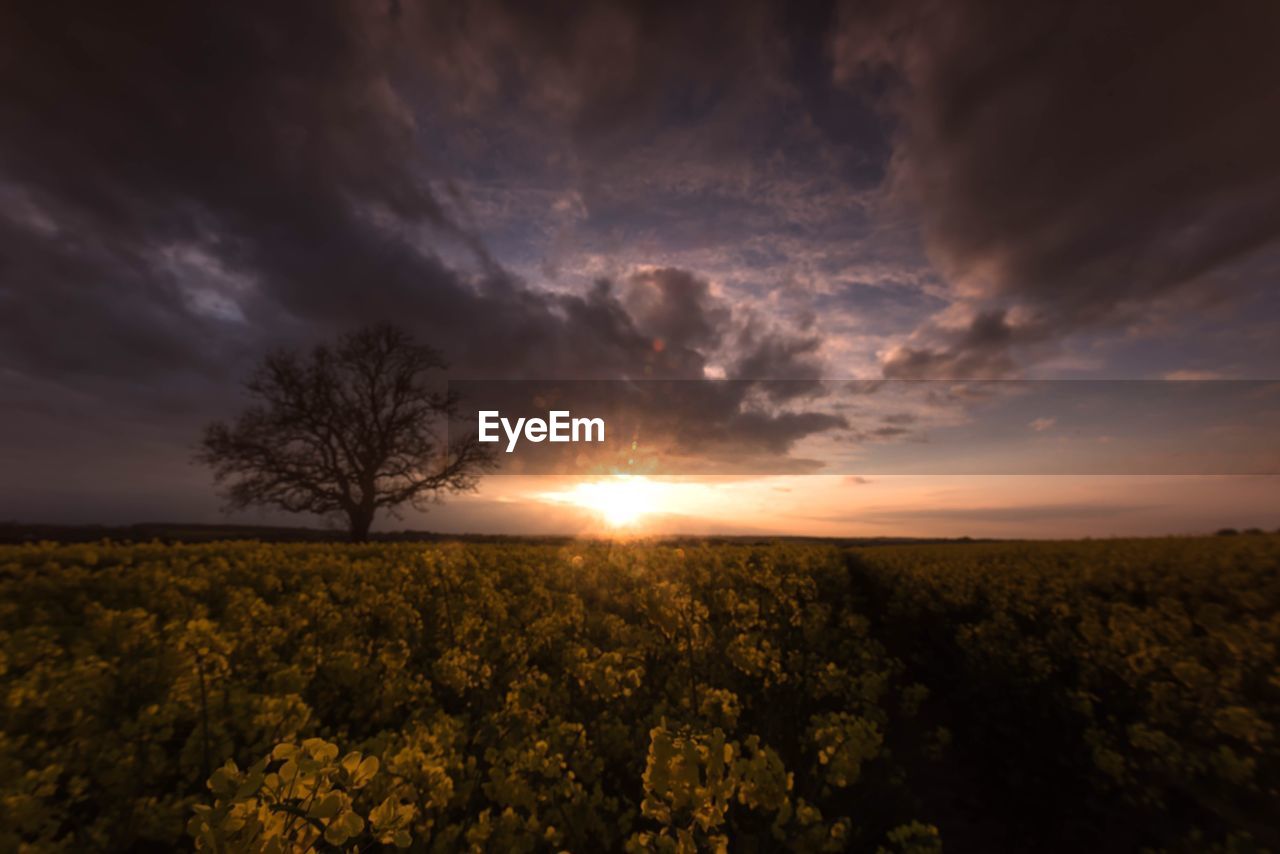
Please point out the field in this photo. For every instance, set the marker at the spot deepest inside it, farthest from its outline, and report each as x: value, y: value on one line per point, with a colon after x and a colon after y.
x: 1107, y: 695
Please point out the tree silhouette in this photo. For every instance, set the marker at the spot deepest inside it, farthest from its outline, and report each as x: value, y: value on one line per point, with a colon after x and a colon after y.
x: 348, y: 430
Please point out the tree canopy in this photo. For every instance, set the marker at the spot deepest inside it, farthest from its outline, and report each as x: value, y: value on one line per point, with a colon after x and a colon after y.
x: 346, y: 430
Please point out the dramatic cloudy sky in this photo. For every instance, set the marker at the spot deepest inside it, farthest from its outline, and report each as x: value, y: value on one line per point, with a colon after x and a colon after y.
x: 906, y: 190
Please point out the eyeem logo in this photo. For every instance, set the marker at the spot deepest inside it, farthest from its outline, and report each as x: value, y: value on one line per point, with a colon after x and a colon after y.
x: 559, y: 426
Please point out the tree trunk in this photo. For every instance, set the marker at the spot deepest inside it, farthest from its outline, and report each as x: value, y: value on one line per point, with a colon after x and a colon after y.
x: 361, y: 520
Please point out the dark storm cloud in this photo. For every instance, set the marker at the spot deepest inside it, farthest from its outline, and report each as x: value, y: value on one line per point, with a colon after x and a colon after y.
x: 985, y: 349
x: 240, y: 134
x: 766, y: 354
x: 605, y: 136
x: 1081, y: 160
x: 676, y: 309
x: 272, y: 144
x: 615, y: 73
x: 183, y: 186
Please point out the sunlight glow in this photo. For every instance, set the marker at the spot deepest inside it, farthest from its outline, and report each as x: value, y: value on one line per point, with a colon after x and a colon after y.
x: 621, y: 501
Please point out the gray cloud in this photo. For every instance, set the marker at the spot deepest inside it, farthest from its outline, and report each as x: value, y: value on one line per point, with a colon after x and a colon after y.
x: 182, y: 187
x: 280, y: 150
x: 1079, y: 161
x: 985, y: 349
x: 676, y: 309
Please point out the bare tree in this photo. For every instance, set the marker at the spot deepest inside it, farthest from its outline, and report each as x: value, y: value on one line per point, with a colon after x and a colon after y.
x: 347, y: 430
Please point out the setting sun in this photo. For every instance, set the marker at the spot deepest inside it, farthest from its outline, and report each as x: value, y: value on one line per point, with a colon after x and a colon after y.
x: 632, y: 502
x: 622, y: 501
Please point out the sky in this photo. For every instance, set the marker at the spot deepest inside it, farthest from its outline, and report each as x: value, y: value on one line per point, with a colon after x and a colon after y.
x: 818, y: 192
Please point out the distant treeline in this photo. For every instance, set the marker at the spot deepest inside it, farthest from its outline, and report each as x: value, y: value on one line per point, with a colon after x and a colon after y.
x: 16, y: 533
x: 13, y: 533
